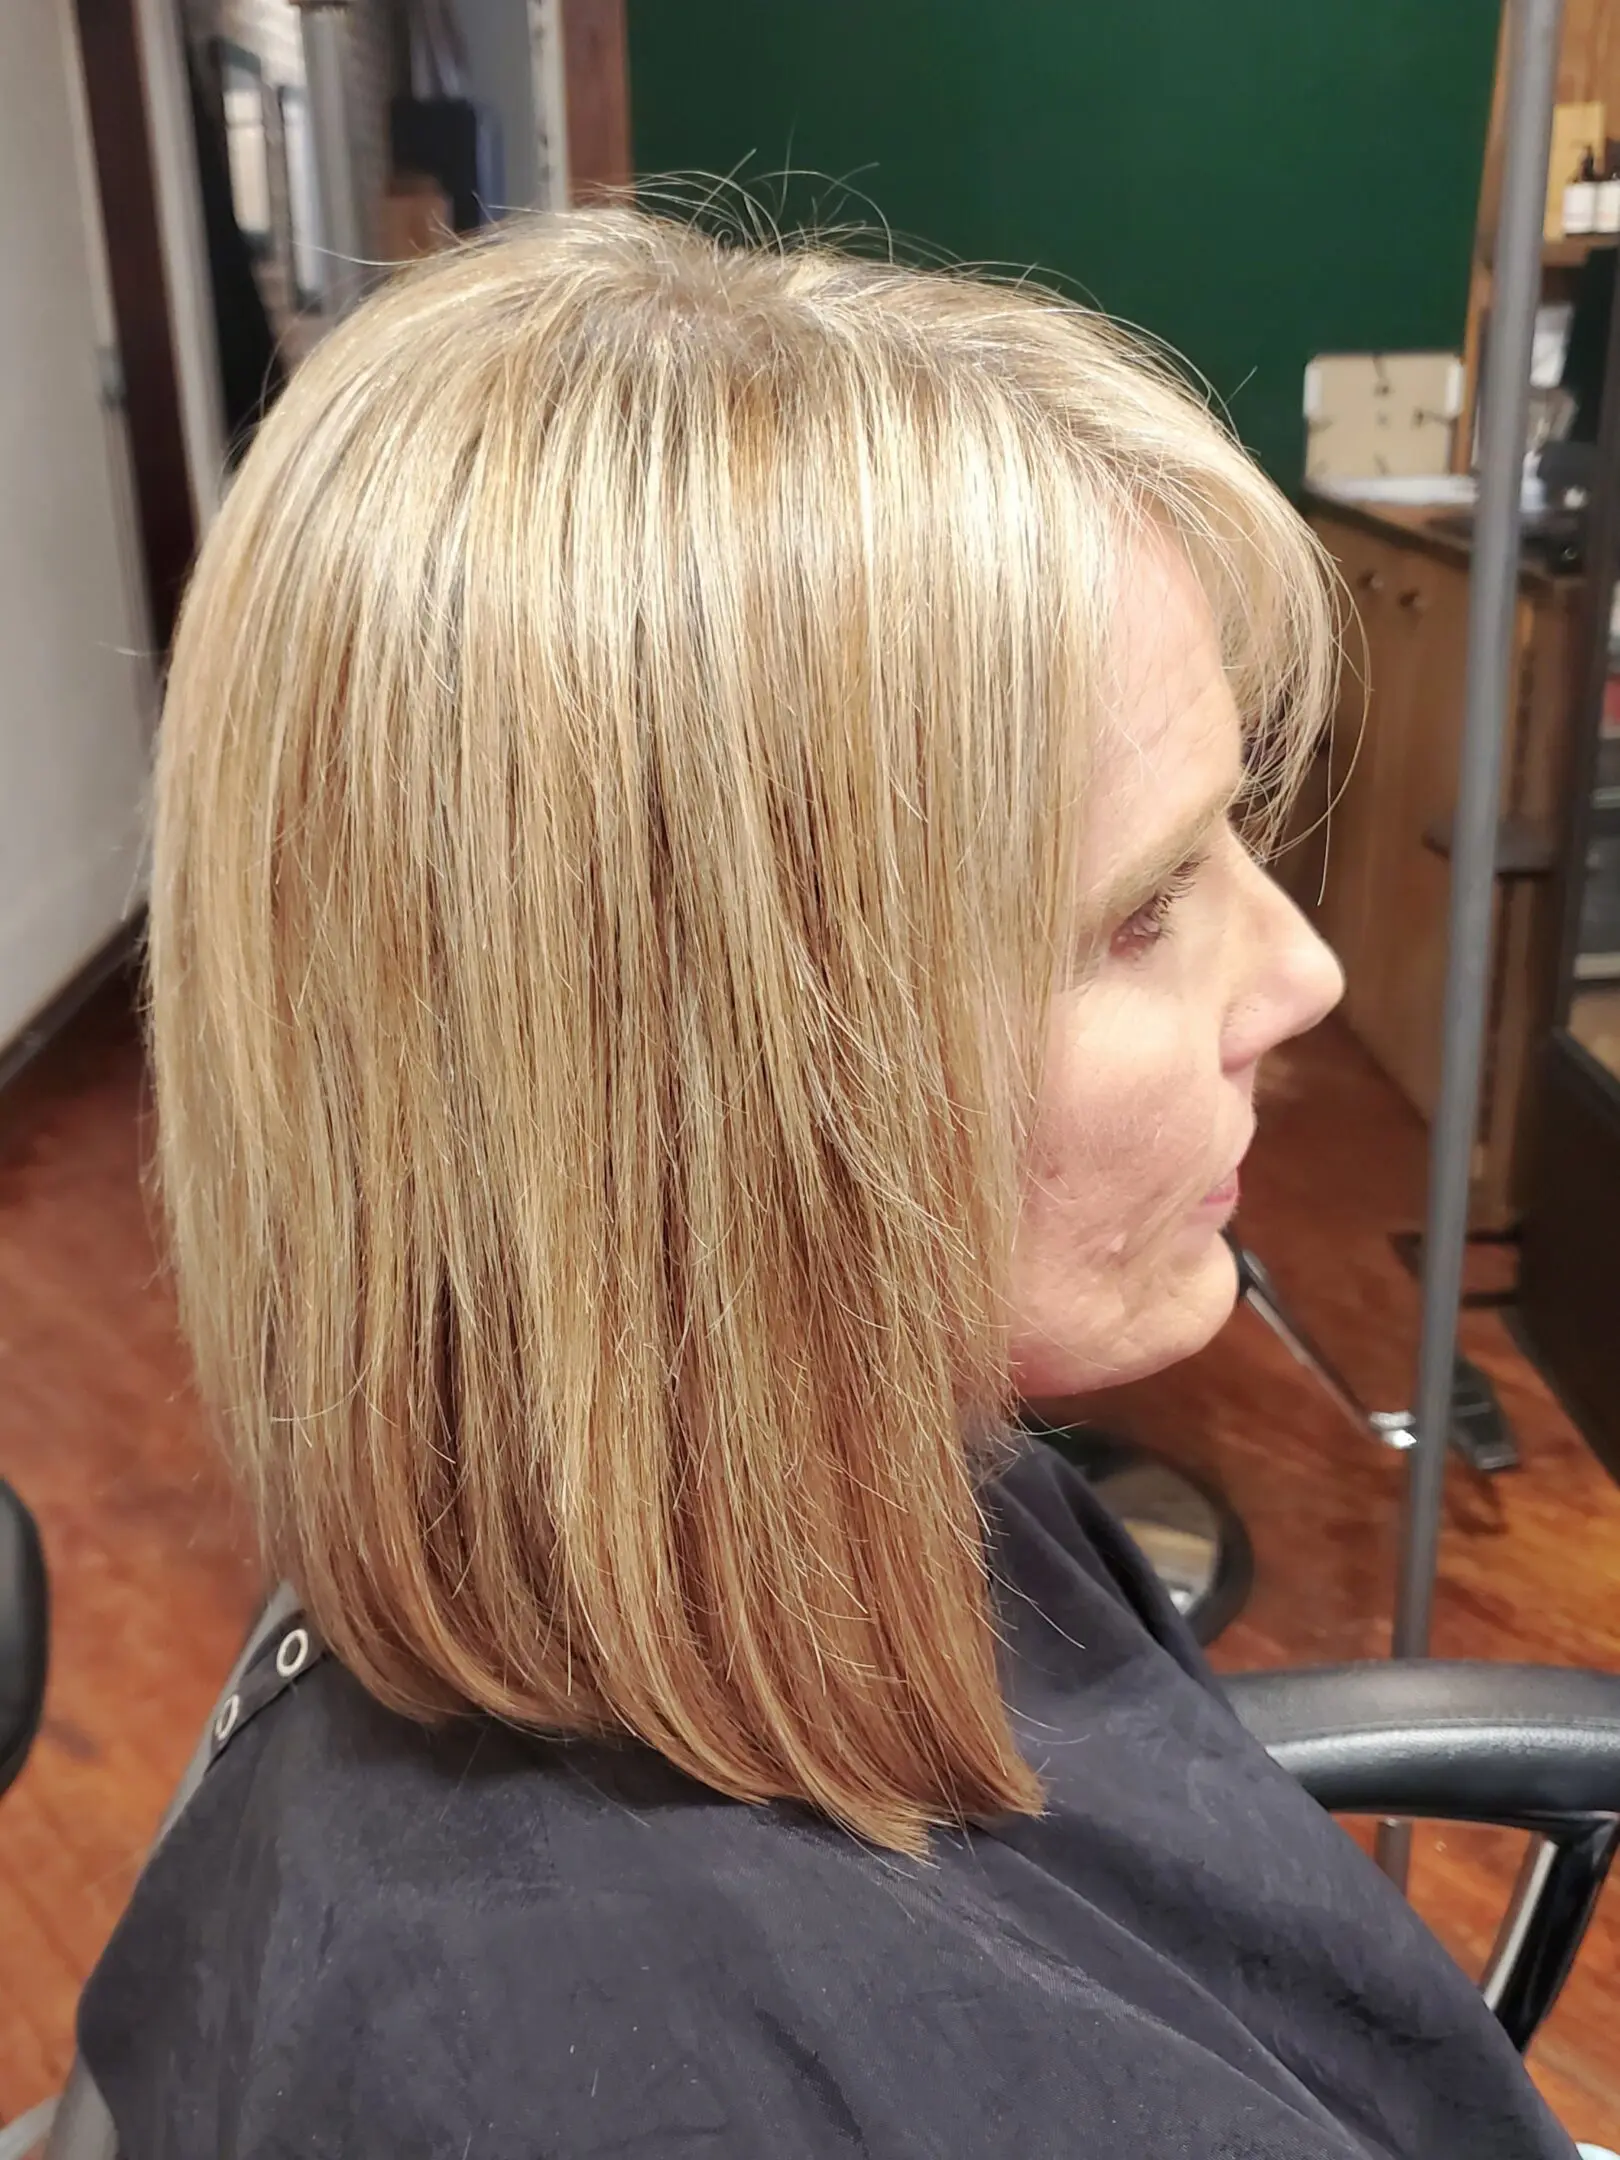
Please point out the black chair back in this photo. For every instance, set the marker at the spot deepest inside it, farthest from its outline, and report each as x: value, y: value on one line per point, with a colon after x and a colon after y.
x: 24, y: 1633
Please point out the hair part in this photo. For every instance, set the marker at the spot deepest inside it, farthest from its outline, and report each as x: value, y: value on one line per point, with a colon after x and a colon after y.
x: 615, y: 831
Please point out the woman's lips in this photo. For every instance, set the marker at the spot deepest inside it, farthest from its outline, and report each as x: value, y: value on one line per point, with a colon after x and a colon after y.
x: 1222, y: 1198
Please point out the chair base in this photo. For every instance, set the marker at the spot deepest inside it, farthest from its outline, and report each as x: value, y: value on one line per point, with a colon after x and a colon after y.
x: 24, y: 2136
x: 1190, y: 1537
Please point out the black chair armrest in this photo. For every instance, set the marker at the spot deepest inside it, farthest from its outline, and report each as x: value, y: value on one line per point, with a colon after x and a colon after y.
x: 1488, y: 1743
x: 1535, y: 1746
x: 23, y: 1633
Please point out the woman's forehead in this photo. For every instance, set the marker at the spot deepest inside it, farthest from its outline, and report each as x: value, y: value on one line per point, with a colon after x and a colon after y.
x: 1169, y: 745
x: 1164, y: 644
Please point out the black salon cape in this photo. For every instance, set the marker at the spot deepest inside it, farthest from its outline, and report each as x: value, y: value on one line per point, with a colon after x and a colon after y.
x: 369, y: 1942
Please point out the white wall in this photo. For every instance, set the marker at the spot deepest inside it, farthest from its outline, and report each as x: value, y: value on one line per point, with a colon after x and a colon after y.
x: 76, y: 689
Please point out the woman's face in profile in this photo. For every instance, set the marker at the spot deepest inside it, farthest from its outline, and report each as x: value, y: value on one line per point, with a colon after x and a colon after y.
x: 1204, y: 965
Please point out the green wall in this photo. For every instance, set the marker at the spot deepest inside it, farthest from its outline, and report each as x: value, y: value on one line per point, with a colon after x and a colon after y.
x: 1253, y: 180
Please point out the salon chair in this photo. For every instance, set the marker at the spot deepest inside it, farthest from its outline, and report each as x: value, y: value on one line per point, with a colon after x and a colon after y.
x: 1535, y: 1747
x: 24, y: 1633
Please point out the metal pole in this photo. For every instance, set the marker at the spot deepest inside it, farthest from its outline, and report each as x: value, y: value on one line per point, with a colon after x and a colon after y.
x: 550, y: 102
x: 342, y: 267
x: 1532, y: 68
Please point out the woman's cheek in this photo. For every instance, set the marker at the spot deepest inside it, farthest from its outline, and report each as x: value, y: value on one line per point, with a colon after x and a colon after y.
x: 1114, y: 1138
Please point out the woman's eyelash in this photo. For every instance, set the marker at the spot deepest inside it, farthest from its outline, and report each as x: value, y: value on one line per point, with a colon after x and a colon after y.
x: 1151, y: 921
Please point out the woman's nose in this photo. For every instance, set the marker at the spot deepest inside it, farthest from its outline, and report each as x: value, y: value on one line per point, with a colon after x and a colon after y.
x: 1288, y: 979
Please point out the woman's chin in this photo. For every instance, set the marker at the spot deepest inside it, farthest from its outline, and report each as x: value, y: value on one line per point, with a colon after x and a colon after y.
x: 1212, y: 1293
x: 1176, y: 1313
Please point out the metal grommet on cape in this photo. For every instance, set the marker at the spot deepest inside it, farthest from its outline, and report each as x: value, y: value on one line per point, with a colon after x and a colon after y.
x: 285, y: 1654
x: 293, y: 1655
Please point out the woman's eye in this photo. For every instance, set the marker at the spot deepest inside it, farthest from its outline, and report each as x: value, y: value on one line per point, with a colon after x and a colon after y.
x: 1151, y: 922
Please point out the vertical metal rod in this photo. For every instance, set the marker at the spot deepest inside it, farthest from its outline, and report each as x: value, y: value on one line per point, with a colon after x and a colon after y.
x: 550, y: 101
x: 1532, y: 64
x: 342, y: 268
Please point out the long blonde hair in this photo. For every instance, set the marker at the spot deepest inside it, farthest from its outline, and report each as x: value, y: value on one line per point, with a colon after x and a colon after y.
x: 615, y: 817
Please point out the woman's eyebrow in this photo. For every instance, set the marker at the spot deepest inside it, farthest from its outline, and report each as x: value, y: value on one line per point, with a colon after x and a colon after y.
x: 1134, y: 887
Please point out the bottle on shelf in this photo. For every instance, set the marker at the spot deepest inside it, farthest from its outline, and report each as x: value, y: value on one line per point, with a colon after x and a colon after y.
x: 1606, y: 204
x: 1580, y: 198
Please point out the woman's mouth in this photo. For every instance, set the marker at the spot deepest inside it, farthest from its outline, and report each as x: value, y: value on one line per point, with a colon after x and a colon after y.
x: 1222, y: 1199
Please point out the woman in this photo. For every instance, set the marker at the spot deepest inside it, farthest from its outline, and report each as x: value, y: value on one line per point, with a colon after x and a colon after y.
x: 706, y: 941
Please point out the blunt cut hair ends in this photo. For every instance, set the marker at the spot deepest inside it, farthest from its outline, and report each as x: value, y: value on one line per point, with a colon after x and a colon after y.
x: 615, y: 837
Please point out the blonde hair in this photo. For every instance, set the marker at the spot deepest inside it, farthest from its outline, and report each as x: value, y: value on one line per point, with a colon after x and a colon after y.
x: 615, y: 817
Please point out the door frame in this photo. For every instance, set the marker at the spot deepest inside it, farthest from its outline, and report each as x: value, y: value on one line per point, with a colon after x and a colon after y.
x: 143, y: 149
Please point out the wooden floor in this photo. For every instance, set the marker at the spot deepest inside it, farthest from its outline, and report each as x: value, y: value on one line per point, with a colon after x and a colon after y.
x: 153, y: 1584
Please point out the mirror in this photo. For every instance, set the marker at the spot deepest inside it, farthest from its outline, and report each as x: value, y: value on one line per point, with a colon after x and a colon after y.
x: 1594, y: 1006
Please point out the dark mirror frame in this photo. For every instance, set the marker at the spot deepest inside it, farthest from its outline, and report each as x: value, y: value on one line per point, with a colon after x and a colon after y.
x: 1570, y: 1260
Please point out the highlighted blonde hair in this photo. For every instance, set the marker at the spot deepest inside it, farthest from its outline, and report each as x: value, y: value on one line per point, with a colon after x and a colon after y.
x: 616, y: 810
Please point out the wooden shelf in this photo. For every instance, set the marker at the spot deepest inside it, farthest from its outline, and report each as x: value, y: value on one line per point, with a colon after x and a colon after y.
x: 1566, y: 254
x: 1570, y: 253
x: 1524, y: 848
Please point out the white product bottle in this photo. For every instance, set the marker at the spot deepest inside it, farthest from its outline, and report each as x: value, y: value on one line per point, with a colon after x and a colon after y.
x: 1580, y: 199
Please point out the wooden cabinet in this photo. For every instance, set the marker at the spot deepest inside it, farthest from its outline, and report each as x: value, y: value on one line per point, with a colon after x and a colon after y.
x: 1588, y: 73
x: 1369, y: 753
x: 1392, y: 780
